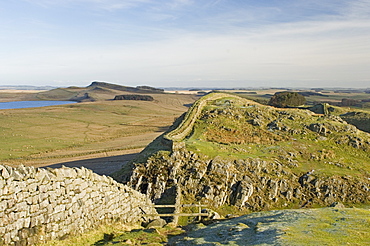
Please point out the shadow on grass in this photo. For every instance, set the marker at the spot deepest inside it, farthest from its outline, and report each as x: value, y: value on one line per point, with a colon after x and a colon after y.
x: 103, y: 165
x: 159, y: 128
x: 188, y: 105
x: 261, y: 230
x: 134, y: 237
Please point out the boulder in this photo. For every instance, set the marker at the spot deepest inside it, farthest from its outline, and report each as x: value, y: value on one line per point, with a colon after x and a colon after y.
x: 134, y: 97
x: 319, y: 128
x: 212, y: 215
x: 337, y: 205
x: 157, y: 223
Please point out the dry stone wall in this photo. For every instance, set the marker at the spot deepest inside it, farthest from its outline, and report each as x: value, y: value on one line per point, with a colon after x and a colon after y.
x: 186, y: 126
x: 38, y: 204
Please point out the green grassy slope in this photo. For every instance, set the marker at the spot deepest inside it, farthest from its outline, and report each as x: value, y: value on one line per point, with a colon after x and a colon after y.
x: 232, y: 128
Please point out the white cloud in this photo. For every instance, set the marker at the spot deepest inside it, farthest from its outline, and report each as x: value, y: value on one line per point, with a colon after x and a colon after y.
x: 233, y: 44
x: 102, y: 4
x: 358, y: 9
x: 211, y: 58
x: 175, y: 4
x: 115, y: 4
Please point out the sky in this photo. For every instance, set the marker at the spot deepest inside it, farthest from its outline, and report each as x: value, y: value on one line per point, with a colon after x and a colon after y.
x: 186, y: 43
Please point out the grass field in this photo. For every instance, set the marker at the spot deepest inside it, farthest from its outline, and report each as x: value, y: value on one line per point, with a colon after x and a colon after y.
x: 85, y: 128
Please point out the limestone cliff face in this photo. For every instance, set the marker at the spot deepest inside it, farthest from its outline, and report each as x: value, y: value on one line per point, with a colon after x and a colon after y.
x: 228, y: 150
x: 251, y: 183
x: 360, y: 119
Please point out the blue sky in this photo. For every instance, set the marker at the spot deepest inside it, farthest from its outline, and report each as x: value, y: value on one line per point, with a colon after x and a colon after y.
x: 186, y: 43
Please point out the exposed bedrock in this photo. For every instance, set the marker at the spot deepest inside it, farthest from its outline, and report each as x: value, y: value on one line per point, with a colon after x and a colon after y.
x: 251, y: 183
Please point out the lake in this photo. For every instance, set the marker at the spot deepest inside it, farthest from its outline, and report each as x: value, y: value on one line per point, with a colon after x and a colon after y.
x: 31, y: 104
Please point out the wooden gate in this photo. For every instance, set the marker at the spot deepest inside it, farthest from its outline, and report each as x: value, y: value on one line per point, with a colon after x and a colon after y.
x: 178, y: 208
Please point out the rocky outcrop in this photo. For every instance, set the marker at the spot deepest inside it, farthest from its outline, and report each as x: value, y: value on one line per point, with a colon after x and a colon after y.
x: 37, y: 204
x: 149, y: 88
x: 86, y: 97
x: 138, y: 89
x: 359, y: 119
x: 134, y: 97
x: 252, y: 183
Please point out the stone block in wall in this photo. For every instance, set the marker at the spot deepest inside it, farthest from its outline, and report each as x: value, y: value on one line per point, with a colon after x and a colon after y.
x: 32, y: 185
x: 19, y: 224
x: 20, y: 196
x: 3, y: 205
x: 7, y: 238
x: 40, y: 175
x: 17, y: 176
x: 21, y: 206
x: 5, y: 171
x: 59, y: 208
x: 37, y: 220
x: 44, y: 203
x: 2, y: 183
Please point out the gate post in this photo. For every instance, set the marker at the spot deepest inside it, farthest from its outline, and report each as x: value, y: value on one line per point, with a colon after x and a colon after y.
x: 177, y: 205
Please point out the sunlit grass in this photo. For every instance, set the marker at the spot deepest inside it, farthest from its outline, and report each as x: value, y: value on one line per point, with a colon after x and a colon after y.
x: 119, y: 234
x: 32, y: 132
x: 330, y: 227
x: 230, y: 136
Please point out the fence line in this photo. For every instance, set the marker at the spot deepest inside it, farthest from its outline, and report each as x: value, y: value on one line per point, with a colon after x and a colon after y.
x: 182, y: 206
x: 199, y: 214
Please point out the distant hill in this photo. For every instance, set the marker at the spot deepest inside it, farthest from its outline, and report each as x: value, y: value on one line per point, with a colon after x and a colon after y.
x: 25, y: 87
x: 138, y: 89
x: 310, y: 93
x: 96, y: 91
